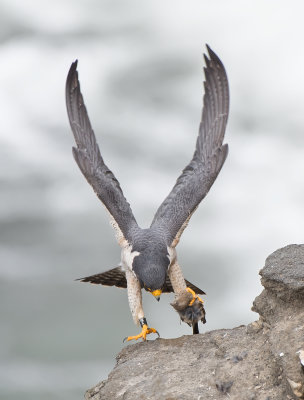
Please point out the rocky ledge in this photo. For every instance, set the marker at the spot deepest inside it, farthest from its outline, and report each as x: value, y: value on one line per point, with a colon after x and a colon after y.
x: 261, y: 361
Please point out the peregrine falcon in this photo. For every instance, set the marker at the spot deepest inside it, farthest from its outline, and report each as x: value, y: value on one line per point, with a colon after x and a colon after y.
x: 148, y: 256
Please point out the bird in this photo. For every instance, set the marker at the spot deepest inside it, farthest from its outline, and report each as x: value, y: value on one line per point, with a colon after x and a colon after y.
x: 190, y: 312
x: 148, y: 255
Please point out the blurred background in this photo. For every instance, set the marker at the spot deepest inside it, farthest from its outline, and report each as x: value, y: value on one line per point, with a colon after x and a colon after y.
x: 140, y: 66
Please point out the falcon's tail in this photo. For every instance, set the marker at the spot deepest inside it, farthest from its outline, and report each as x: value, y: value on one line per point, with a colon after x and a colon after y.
x: 117, y: 277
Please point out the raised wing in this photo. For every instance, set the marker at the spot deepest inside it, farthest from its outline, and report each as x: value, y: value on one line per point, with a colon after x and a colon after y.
x: 117, y: 277
x: 197, y: 178
x: 91, y: 164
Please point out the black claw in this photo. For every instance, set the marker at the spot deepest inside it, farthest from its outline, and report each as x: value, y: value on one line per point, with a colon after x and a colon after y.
x: 125, y: 339
x: 158, y: 334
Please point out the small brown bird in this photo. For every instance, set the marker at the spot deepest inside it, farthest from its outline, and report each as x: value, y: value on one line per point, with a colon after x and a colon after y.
x: 190, y: 312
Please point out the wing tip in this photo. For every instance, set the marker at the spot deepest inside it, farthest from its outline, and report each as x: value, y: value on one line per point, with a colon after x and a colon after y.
x: 72, y: 71
x: 215, y: 61
x: 211, y: 53
x: 71, y: 85
x: 213, y: 56
x: 74, y: 65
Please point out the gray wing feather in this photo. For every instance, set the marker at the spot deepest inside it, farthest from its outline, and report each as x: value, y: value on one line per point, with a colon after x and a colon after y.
x: 209, y: 156
x: 87, y: 156
x: 117, y: 277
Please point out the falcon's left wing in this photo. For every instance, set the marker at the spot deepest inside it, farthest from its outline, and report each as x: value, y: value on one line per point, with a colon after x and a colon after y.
x: 199, y: 175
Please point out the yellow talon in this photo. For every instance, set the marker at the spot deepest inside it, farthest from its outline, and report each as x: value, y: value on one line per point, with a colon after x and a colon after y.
x: 145, y: 331
x: 195, y: 296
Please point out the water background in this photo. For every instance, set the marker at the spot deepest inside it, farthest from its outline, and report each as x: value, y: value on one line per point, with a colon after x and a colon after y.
x: 140, y: 65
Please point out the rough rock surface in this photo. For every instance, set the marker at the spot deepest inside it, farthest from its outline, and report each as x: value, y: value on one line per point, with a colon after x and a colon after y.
x: 261, y: 361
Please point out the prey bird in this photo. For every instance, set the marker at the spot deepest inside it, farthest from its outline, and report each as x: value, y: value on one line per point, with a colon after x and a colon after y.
x: 148, y: 256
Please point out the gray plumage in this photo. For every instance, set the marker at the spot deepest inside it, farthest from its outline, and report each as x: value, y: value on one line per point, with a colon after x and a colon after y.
x: 148, y: 255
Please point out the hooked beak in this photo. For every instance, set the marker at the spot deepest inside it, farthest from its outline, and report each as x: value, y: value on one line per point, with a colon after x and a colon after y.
x: 156, y: 294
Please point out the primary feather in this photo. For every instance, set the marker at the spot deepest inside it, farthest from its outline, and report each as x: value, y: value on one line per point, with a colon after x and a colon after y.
x: 209, y: 156
x: 90, y: 161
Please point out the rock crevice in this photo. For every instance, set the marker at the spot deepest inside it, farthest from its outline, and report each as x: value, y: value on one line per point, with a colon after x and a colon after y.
x: 260, y: 361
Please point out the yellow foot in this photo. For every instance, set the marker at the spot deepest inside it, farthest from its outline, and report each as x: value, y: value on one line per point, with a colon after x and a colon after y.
x: 195, y: 296
x: 145, y: 331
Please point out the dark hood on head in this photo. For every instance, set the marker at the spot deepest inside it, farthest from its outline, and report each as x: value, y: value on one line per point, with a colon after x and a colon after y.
x: 151, y: 269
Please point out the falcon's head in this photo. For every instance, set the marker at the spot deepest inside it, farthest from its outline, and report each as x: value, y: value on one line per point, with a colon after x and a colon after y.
x: 151, y: 271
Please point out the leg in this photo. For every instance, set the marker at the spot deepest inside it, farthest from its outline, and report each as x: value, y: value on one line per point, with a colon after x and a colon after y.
x: 134, y: 297
x: 178, y: 282
x: 176, y: 277
x: 135, y: 303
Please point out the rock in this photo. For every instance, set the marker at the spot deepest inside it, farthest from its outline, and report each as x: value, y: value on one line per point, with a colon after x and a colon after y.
x: 258, y: 362
x: 281, y: 306
x: 284, y: 272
